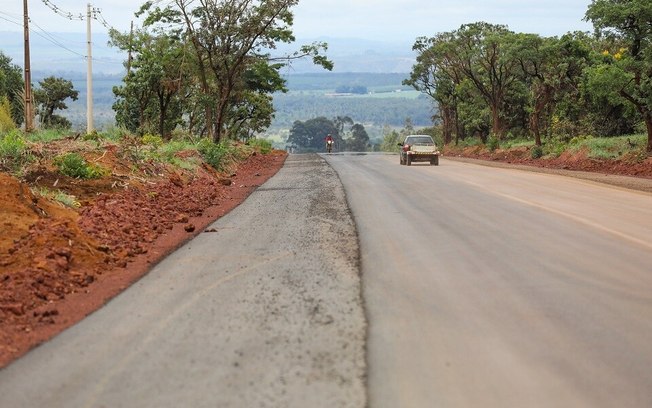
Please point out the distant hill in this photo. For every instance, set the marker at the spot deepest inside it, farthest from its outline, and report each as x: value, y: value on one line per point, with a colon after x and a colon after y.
x: 54, y: 52
x: 377, y: 66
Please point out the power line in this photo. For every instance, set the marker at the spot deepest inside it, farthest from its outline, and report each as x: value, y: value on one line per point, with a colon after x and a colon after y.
x: 59, y: 11
x: 49, y: 37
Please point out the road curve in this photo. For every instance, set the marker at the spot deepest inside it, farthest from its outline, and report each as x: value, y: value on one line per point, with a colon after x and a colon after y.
x: 265, y: 312
x: 500, y: 288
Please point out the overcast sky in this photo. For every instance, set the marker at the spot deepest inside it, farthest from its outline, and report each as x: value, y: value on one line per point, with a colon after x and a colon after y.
x: 385, y: 20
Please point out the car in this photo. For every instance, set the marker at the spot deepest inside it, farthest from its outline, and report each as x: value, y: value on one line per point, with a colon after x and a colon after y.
x: 418, y: 148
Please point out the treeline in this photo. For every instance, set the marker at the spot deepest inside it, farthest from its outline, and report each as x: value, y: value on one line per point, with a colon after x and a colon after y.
x: 491, y: 82
x: 377, y: 110
x: 310, y: 135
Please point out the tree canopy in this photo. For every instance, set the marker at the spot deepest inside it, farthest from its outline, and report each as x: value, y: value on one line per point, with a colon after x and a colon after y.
x: 491, y: 82
x: 51, y: 96
x: 217, y: 73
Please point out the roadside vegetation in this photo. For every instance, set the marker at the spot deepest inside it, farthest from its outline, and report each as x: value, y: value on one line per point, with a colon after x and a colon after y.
x: 499, y: 86
x: 78, y: 157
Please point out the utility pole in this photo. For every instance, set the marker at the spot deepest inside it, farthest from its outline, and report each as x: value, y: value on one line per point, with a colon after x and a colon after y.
x: 89, y: 74
x: 29, y: 115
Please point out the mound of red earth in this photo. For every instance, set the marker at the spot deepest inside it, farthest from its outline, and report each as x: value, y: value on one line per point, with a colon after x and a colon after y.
x: 57, y: 264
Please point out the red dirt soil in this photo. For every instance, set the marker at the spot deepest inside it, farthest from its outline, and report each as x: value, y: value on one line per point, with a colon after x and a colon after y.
x: 57, y: 264
x: 633, y: 166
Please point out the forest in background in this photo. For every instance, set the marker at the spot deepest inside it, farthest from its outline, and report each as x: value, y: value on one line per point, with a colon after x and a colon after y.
x: 387, y: 102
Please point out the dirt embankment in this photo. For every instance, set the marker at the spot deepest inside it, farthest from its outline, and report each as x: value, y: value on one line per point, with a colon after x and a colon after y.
x: 59, y: 264
x: 631, y: 173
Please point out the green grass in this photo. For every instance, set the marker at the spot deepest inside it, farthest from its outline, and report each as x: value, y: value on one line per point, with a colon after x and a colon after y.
x: 610, y: 147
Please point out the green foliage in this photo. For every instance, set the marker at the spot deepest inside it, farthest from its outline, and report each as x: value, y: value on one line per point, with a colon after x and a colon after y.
x: 215, y: 154
x: 47, y: 135
x: 50, y: 97
x: 261, y: 145
x: 359, y: 141
x: 536, y: 152
x: 13, y: 150
x: 94, y: 136
x: 12, y: 87
x: 229, y: 77
x: 74, y: 165
x: 554, y: 147
x: 154, y: 141
x: 6, y: 122
x: 310, y: 135
x: 493, y: 143
x: 390, y: 141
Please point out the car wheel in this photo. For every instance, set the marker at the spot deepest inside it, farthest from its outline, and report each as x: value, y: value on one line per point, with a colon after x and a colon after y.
x: 434, y: 161
x: 400, y: 160
x: 408, y: 160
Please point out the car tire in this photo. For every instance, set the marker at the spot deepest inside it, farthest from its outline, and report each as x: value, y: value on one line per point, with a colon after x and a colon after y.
x: 408, y: 160
x: 400, y: 159
x: 434, y: 161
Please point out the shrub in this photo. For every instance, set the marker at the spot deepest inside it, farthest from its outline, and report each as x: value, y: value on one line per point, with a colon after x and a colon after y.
x: 74, y: 165
x: 6, y: 122
x: 152, y: 140
x: 213, y: 154
x: 536, y: 152
x: 493, y: 143
x: 13, y: 150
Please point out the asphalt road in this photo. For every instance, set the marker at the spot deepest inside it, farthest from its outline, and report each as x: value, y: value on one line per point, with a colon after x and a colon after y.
x: 480, y: 287
x: 501, y: 288
x: 265, y: 312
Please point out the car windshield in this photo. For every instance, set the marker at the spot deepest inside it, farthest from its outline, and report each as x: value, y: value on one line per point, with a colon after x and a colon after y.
x: 419, y: 140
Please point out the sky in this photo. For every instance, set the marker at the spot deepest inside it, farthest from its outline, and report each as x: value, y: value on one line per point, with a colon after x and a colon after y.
x: 381, y: 20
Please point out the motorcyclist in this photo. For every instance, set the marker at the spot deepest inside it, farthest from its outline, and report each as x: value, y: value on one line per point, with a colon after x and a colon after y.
x: 329, y: 142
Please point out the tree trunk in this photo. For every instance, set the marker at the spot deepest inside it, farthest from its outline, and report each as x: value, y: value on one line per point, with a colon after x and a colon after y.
x: 497, y: 125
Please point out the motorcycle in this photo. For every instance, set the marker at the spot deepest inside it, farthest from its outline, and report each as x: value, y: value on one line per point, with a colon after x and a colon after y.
x: 329, y: 146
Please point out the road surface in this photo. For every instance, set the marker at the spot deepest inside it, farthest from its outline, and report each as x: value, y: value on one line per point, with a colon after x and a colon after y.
x: 265, y: 312
x: 501, y: 288
x: 481, y: 287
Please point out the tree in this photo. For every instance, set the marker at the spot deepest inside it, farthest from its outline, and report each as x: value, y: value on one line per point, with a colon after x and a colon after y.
x: 310, y: 135
x: 628, y: 72
x: 359, y: 139
x: 12, y: 87
x: 51, y: 96
x: 228, y: 39
x: 476, y: 52
x: 151, y: 99
x: 550, y: 67
x: 470, y: 61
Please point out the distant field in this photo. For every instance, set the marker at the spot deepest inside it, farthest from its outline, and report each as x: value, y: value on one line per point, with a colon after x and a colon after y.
x: 388, y: 103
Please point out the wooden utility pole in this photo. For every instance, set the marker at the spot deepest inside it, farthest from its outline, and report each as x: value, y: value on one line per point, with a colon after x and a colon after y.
x: 29, y: 110
x: 89, y: 74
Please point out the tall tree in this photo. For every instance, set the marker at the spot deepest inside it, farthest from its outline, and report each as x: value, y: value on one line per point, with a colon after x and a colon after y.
x: 51, y: 96
x: 150, y: 100
x: 629, y: 71
x: 477, y: 51
x: 228, y: 37
x: 550, y: 68
x: 359, y: 141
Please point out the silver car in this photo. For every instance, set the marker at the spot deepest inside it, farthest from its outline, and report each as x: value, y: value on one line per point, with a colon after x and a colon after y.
x: 418, y: 148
